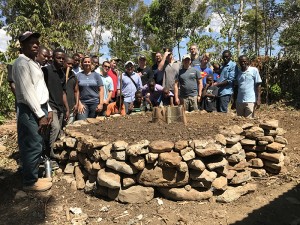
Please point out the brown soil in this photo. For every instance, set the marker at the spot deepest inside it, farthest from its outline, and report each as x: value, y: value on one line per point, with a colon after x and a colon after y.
x: 277, y: 200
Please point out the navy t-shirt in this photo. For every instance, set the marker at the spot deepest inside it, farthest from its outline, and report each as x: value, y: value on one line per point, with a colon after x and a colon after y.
x: 89, y: 87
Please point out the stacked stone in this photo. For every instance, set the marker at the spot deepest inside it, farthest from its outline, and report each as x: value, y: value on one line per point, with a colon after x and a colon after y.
x: 185, y: 170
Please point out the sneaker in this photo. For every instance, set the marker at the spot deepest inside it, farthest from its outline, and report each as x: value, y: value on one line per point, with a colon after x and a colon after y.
x: 39, y: 185
x: 54, y: 165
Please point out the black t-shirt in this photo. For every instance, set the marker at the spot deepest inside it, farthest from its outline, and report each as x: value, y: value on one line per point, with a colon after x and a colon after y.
x: 147, y: 74
x: 56, y: 83
x: 70, y: 90
x: 209, y: 103
x: 158, y: 75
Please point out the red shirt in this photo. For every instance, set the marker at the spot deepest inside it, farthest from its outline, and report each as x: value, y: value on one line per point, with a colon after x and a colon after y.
x: 114, y: 77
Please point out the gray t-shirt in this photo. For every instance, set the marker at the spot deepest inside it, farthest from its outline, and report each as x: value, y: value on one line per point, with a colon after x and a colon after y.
x: 188, y: 82
x: 171, y: 71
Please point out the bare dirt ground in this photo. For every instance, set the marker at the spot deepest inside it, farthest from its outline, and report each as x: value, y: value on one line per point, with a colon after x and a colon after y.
x: 277, y: 200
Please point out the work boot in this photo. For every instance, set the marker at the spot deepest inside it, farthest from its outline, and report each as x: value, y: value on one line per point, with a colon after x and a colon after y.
x: 39, y: 185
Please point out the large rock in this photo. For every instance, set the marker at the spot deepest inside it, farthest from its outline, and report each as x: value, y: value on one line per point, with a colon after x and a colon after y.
x: 269, y: 124
x: 256, y: 163
x: 231, y: 140
x: 220, y: 183
x: 210, y: 149
x: 187, y: 153
x: 151, y: 157
x: 162, y: 176
x: 220, y: 162
x: 241, y: 177
x: 169, y: 159
x: 235, y: 158
x: 205, y: 176
x: 160, y: 146
x: 138, y: 162
x: 273, y: 157
x: 181, y: 194
x: 179, y: 145
x: 281, y: 140
x: 220, y: 138
x: 141, y: 148
x: 254, y: 132
x: 234, y: 149
x: 248, y: 142
x: 135, y: 194
x: 276, y: 147
x: 108, y: 178
x: 105, y: 152
x: 119, y: 145
x: 121, y: 167
x: 196, y: 164
x: 233, y: 193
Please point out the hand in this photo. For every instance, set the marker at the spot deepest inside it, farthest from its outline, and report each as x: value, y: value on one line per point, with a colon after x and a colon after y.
x: 43, y: 124
x: 105, y: 102
x: 177, y: 101
x: 99, y: 107
x: 81, y: 108
x: 198, y: 98
x: 75, y: 109
x: 50, y: 118
x: 166, y: 54
x: 67, y: 115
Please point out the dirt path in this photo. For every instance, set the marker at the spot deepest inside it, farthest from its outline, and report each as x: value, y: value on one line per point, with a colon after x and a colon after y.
x: 277, y: 200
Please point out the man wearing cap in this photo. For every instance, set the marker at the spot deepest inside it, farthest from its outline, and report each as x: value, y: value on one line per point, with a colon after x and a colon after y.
x: 144, y: 71
x: 33, y: 118
x: 190, y: 84
x: 128, y: 84
x: 170, y: 67
x: 114, y: 74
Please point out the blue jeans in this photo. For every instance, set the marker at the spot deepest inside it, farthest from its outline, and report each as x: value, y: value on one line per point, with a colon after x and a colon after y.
x: 90, y: 111
x: 30, y: 142
x: 223, y: 102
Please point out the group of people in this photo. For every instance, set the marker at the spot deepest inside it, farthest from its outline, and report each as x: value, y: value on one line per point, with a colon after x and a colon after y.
x: 53, y: 89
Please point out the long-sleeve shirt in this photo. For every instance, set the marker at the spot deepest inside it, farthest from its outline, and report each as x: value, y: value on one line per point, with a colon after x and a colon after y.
x: 31, y: 88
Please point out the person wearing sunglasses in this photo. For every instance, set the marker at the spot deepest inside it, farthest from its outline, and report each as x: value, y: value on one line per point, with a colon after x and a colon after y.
x: 108, y: 86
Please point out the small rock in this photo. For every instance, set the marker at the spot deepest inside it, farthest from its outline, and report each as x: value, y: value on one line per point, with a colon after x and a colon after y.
x: 233, y: 139
x: 251, y: 155
x: 119, y: 145
x: 254, y: 148
x: 121, y: 167
x: 268, y: 139
x: 119, y: 155
x: 247, y: 125
x: 181, y: 194
x: 220, y: 138
x: 269, y: 124
x: 280, y: 131
x: 234, y: 149
x: 257, y: 172
x: 209, y: 150
x: 69, y: 168
x: 20, y: 194
x: 235, y: 158
x: 70, y: 142
x: 109, y: 178
x: 89, y: 186
x: 183, y: 167
x: 272, y: 133
x: 68, y: 178
x: 237, y: 129
x: 135, y: 194
x: 129, y: 180
x: 138, y: 162
x: 196, y: 164
x: 276, y: 147
x: 198, y: 144
x: 151, y: 157
x: 256, y: 163
x: 254, y: 132
x: 220, y: 183
x: 248, y: 142
x: 221, y: 162
x: 105, y: 152
x: 281, y: 140
x: 205, y: 175
x: 138, y: 149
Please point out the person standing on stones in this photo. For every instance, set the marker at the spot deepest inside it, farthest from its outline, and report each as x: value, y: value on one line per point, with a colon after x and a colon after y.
x: 35, y: 114
x: 247, y: 94
x: 189, y: 83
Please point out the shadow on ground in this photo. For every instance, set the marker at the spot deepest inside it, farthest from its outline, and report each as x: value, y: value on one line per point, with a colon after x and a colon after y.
x: 284, y: 210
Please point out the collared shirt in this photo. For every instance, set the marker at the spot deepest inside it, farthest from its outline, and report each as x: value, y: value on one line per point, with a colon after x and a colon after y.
x: 31, y: 88
x: 56, y: 83
x: 247, y: 82
x: 76, y: 70
x: 114, y: 77
x: 107, y: 84
x: 228, y: 74
x: 128, y: 87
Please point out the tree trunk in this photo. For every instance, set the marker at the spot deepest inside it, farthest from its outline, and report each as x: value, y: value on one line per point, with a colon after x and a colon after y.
x: 256, y: 30
x: 240, y: 16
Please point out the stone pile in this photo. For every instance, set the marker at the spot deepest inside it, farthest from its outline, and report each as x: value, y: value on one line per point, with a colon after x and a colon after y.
x: 186, y: 170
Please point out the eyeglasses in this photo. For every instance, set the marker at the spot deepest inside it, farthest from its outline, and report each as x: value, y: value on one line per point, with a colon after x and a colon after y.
x: 106, y: 66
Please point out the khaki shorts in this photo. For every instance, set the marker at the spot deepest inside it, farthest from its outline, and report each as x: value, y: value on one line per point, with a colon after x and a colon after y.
x: 245, y: 109
x: 190, y: 103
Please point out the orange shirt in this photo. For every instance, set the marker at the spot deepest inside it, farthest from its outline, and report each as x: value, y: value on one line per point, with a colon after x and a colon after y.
x: 112, y: 109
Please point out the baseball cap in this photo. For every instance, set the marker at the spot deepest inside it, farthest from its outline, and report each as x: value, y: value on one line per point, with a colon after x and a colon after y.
x: 129, y: 62
x: 115, y: 59
x: 27, y: 35
x: 186, y: 57
x: 142, y: 57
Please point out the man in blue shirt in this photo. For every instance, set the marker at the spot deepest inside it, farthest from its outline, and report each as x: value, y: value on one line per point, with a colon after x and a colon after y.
x: 128, y: 83
x: 225, y: 82
x: 248, y: 89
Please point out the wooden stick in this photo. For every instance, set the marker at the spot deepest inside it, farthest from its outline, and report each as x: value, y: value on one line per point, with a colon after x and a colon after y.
x: 67, y: 74
x: 120, y: 106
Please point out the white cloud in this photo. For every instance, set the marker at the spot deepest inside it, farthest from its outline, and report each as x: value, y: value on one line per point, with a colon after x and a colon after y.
x: 4, y: 39
x: 106, y: 36
x: 216, y: 23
